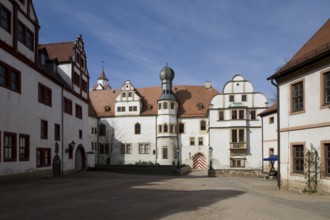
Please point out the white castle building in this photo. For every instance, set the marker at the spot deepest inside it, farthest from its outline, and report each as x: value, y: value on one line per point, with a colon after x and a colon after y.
x: 172, y: 124
x: 43, y: 98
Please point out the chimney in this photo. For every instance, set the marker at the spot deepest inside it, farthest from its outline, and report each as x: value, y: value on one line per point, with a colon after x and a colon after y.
x: 208, y: 85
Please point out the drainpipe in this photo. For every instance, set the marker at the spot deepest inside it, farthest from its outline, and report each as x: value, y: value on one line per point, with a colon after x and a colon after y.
x: 262, y: 145
x: 156, y: 139
x: 97, y: 140
x: 62, y: 131
x: 278, y: 135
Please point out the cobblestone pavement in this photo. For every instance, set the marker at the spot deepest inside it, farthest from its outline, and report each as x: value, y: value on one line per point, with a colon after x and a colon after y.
x: 105, y: 195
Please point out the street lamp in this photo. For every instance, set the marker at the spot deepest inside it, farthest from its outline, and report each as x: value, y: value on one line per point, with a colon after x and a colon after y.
x: 178, y: 152
x: 71, y: 147
x: 210, y: 151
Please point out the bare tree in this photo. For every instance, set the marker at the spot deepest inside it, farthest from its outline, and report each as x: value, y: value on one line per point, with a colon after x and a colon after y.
x: 107, y: 141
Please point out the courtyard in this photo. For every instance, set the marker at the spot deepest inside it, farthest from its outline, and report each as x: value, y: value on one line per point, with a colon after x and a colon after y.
x: 106, y: 195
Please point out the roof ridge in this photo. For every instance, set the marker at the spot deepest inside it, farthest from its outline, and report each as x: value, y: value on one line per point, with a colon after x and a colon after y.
x: 56, y: 43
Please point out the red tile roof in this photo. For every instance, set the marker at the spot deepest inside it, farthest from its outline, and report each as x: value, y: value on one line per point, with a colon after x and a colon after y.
x: 61, y: 51
x: 272, y: 109
x: 193, y: 100
x: 318, y: 44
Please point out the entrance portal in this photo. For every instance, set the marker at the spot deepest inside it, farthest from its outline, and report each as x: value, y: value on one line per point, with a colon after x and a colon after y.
x: 80, y: 158
x: 199, y: 162
x: 56, y: 166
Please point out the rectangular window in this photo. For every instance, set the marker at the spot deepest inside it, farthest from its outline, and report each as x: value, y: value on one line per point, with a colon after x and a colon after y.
x: 80, y: 134
x: 4, y: 18
x: 327, y: 159
x: 237, y: 135
x: 172, y: 105
x: 43, y: 157
x: 192, y: 141
x: 10, y: 78
x: 25, y: 35
x: 233, y: 114
x: 67, y: 106
x: 200, y: 141
x: 84, y: 86
x: 123, y: 94
x: 253, y: 114
x: 44, y: 129
x: 160, y: 129
x: 241, y: 135
x: 165, y: 105
x: 159, y: 105
x: 45, y: 95
x: 237, y: 162
x: 24, y: 147
x: 130, y: 94
x: 271, y: 120
x: 297, y: 97
x: 9, y: 146
x: 241, y: 114
x: 243, y: 98
x: 298, y: 158
x: 181, y: 128
x: 57, y: 132
x: 326, y: 90
x: 221, y: 116
x: 144, y: 148
x: 231, y: 98
x: 126, y: 149
x: 165, y: 156
x: 172, y: 129
x: 76, y: 79
x: 78, y: 111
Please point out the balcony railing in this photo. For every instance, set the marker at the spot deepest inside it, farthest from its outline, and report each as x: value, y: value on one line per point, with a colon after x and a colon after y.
x: 241, y: 145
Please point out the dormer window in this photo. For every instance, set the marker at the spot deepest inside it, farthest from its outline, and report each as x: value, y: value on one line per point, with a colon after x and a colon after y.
x: 200, y: 106
x: 130, y: 94
x: 107, y: 108
x: 123, y: 94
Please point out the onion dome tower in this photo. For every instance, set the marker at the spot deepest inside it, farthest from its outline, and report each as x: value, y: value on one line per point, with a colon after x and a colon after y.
x: 167, y: 138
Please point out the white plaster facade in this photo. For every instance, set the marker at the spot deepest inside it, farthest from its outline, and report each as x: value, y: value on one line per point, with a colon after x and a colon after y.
x: 35, y: 133
x: 235, y: 128
x: 304, y: 112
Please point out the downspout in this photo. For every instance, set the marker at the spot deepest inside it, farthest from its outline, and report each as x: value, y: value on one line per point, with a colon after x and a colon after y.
x: 156, y: 153
x: 262, y: 145
x: 278, y: 135
x: 62, y: 131
x: 97, y: 140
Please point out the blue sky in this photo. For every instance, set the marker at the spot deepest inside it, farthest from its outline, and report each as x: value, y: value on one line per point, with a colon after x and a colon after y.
x: 209, y: 40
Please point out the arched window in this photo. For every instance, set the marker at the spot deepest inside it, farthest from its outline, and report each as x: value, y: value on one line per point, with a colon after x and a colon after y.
x: 165, y: 128
x: 102, y: 130
x: 203, y: 125
x: 137, y: 128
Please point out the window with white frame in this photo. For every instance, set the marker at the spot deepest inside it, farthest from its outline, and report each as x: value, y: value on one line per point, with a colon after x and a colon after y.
x: 144, y: 148
x: 200, y: 141
x: 126, y: 149
x: 192, y: 141
x: 165, y: 153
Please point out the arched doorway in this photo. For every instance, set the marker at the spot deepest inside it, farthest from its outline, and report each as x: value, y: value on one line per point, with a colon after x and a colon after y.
x: 199, y: 162
x: 80, y: 158
x: 56, y: 166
